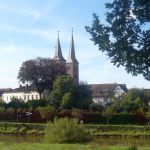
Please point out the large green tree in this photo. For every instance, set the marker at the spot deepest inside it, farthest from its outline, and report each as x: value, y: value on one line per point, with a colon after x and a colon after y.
x: 125, y: 37
x: 83, y: 95
x: 62, y: 85
x: 69, y: 95
x: 40, y: 72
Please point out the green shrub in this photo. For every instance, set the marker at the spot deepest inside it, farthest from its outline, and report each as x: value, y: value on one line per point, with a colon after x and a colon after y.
x: 132, y: 148
x: 47, y: 112
x: 65, y: 131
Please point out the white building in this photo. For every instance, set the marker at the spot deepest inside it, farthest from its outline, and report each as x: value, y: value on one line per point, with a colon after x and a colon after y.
x: 24, y: 93
x: 102, y: 93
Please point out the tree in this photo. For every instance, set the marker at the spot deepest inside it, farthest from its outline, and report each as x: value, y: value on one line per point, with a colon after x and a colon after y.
x: 83, y: 96
x: 62, y: 85
x: 40, y: 72
x: 108, y: 112
x: 134, y: 100
x: 126, y: 37
x: 16, y: 104
x: 47, y: 112
x: 134, y: 93
x: 68, y: 95
x: 67, y: 100
x: 34, y: 104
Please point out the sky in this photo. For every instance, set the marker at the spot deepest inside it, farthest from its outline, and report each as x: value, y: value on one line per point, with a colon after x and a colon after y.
x: 28, y: 29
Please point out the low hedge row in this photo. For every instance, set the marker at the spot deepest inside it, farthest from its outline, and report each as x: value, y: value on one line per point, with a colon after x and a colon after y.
x: 85, y: 115
x: 119, y: 130
x: 22, y: 128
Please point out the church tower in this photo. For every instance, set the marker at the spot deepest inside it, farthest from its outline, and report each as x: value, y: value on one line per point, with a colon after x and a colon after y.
x: 58, y: 55
x: 72, y: 65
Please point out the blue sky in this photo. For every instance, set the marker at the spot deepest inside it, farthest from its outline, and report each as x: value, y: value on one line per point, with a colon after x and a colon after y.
x: 28, y: 29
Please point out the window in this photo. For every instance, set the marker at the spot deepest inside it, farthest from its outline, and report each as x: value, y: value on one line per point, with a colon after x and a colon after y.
x: 28, y: 97
x: 32, y: 96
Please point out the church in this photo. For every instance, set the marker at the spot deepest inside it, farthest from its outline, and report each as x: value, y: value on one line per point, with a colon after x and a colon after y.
x: 71, y: 64
x: 100, y: 92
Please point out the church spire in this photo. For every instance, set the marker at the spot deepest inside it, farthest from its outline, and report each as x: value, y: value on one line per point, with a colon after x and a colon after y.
x: 72, y: 57
x: 58, y: 54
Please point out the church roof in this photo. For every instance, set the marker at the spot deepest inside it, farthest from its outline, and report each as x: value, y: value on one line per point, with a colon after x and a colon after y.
x: 71, y: 56
x: 58, y: 54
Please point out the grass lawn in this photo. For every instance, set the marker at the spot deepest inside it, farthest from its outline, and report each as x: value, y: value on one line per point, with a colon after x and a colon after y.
x: 35, y: 146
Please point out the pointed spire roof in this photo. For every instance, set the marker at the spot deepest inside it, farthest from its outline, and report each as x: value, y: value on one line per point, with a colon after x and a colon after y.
x: 58, y: 54
x: 72, y: 57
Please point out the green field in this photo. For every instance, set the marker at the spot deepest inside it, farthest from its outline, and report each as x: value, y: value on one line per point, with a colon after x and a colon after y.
x: 35, y: 146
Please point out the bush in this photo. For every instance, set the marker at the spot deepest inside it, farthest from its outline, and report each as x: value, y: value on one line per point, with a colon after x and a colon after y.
x: 65, y: 131
x: 132, y: 148
x: 47, y: 112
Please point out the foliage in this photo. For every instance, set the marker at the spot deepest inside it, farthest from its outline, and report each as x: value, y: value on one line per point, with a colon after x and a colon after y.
x: 65, y: 131
x: 83, y: 96
x: 47, y: 146
x: 125, y: 38
x: 147, y: 115
x: 15, y: 104
x: 134, y: 93
x: 108, y: 112
x: 62, y: 85
x: 47, y: 112
x: 96, y: 107
x: 40, y: 72
x: 67, y: 100
x: 37, y: 103
x: 68, y: 95
x: 21, y: 128
x: 132, y: 148
x: 134, y: 100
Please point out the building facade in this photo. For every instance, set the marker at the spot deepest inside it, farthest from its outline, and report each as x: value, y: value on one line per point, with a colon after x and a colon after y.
x: 24, y: 93
x: 102, y: 93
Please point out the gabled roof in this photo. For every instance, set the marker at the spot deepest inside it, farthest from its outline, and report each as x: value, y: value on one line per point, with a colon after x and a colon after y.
x: 25, y: 89
x: 5, y: 90
x: 105, y: 89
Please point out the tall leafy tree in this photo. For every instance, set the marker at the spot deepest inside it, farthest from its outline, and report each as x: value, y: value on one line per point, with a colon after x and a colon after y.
x: 62, y: 86
x: 40, y: 72
x: 125, y: 38
x: 83, y: 95
x: 69, y: 95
